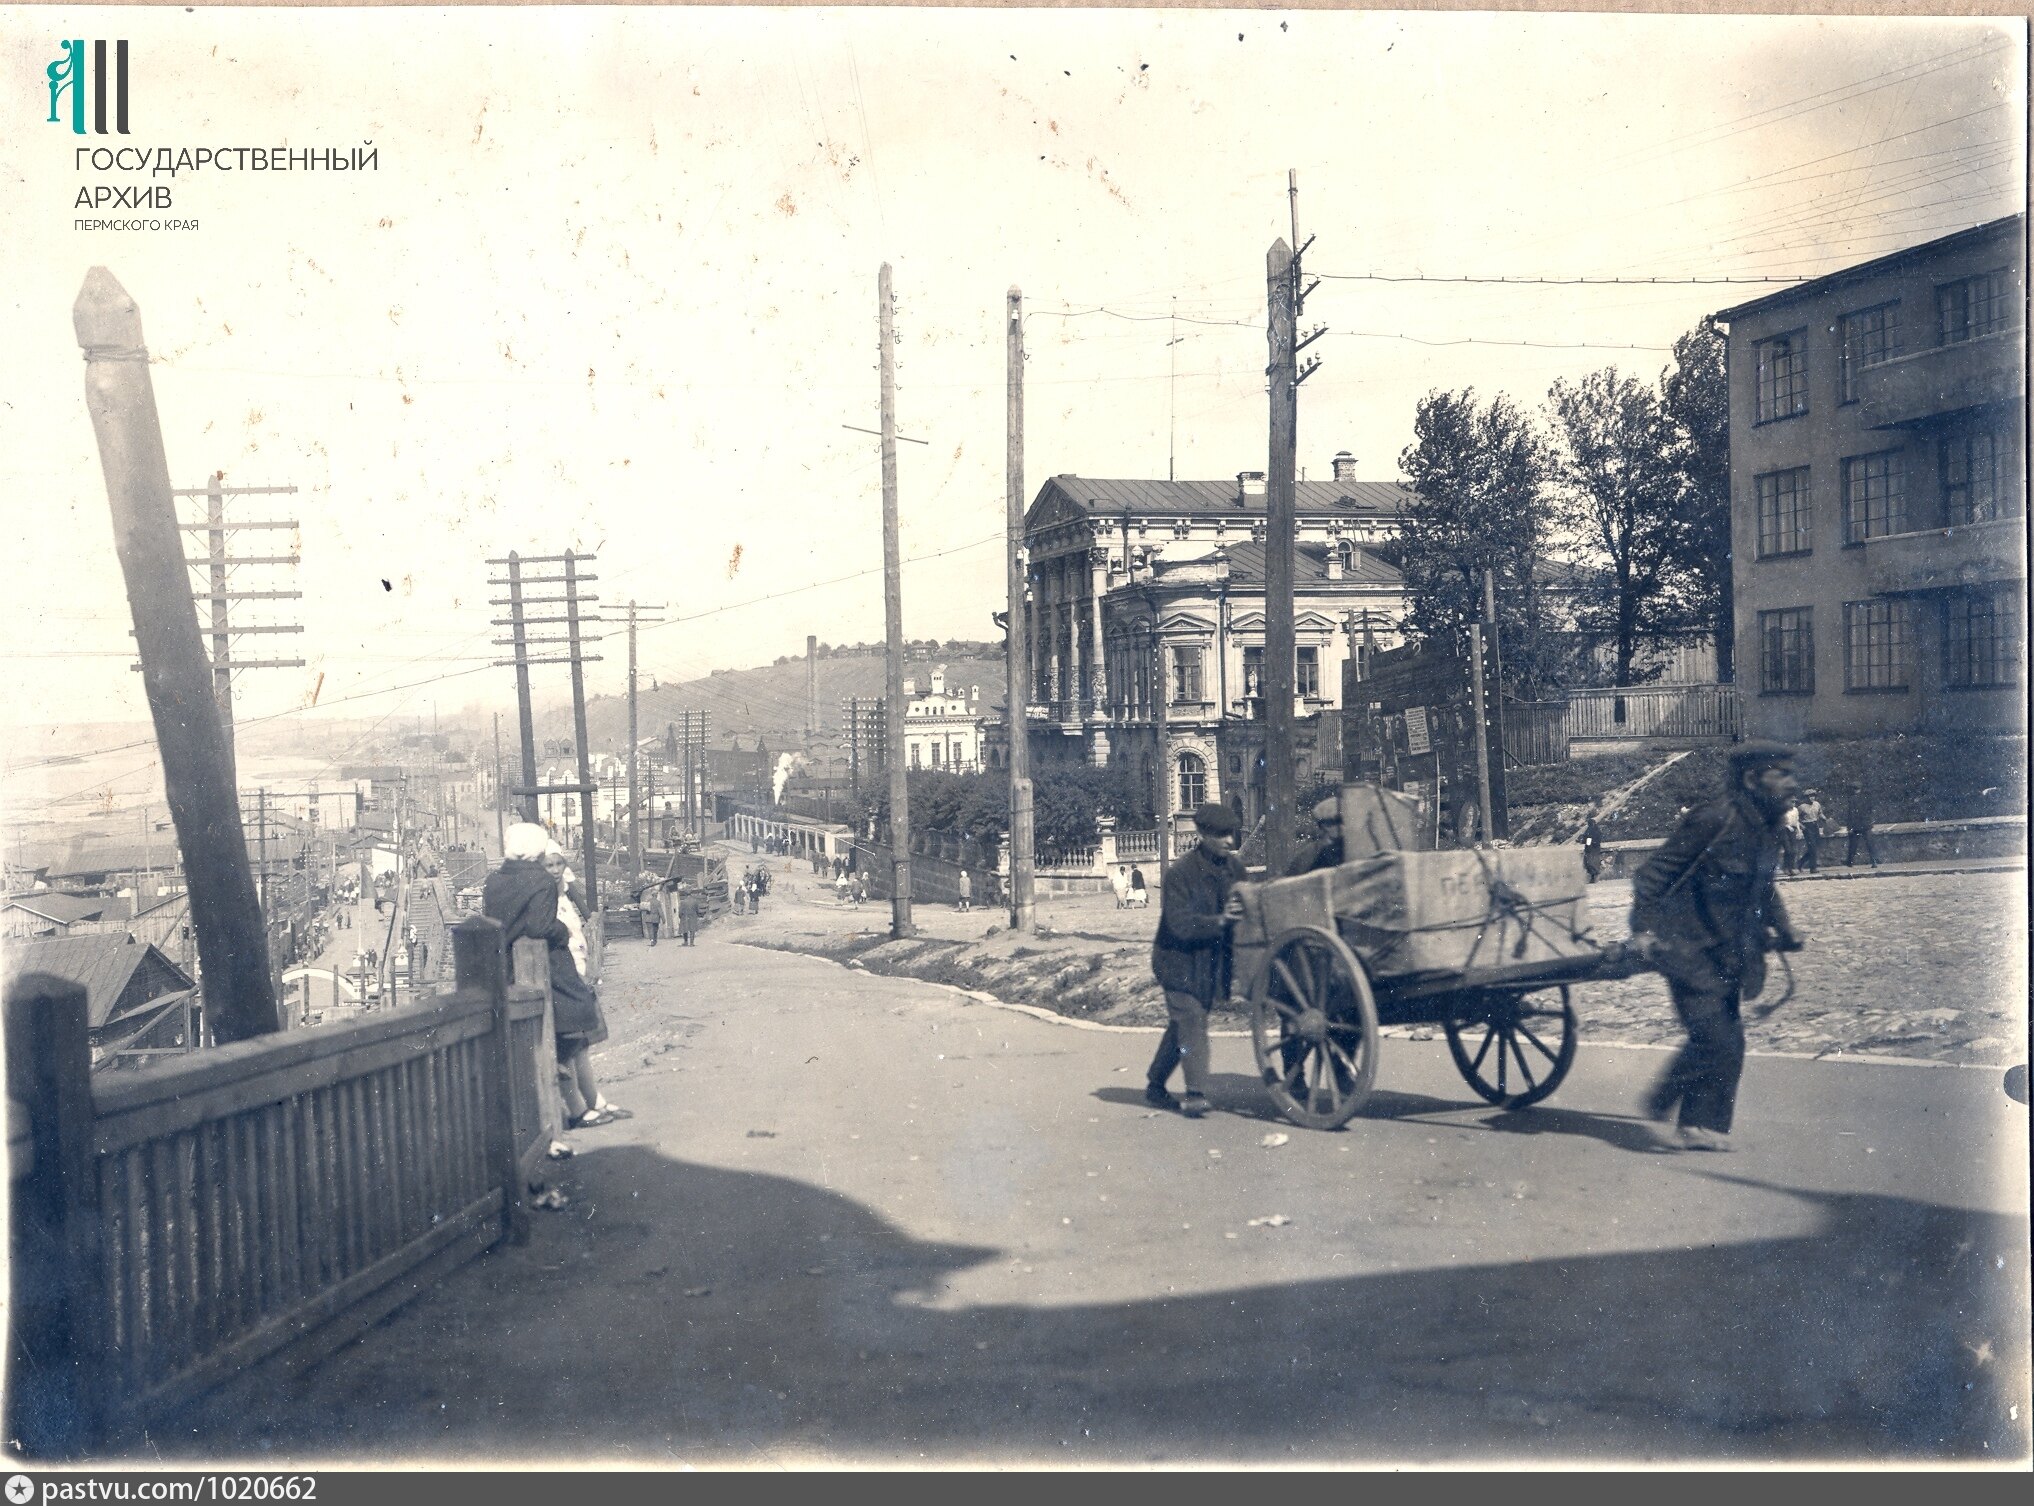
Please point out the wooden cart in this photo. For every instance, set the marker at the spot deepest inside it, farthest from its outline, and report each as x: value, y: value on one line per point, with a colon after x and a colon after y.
x: 1317, y: 1008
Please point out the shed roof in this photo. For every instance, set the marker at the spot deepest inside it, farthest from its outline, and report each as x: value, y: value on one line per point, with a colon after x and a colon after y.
x: 105, y: 964
x: 1202, y: 498
x: 63, y: 909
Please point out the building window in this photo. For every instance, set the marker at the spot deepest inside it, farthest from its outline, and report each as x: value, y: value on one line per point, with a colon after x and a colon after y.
x: 1193, y: 781
x: 1783, y: 376
x: 1874, y: 495
x: 1186, y: 672
x: 1981, y: 638
x: 1786, y: 520
x: 914, y: 755
x: 1253, y: 672
x: 1974, y: 306
x: 1870, y: 337
x: 938, y: 755
x: 1308, y: 680
x: 1877, y: 647
x: 1786, y: 652
x: 1978, y: 483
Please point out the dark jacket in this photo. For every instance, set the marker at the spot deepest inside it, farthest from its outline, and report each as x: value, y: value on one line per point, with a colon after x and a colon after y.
x: 688, y: 909
x: 1858, y: 814
x: 1708, y: 895
x: 524, y: 899
x: 1315, y: 855
x: 1190, y: 953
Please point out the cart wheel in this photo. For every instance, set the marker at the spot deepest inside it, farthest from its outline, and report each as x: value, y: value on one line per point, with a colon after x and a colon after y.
x: 1313, y: 1025
x: 1517, y: 1050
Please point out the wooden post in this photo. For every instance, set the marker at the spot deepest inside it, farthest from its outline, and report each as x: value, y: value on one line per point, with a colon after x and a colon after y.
x: 1499, y: 814
x: 482, y: 963
x: 1486, y: 830
x: 1017, y: 646
x: 589, y: 838
x: 635, y: 857
x: 1279, y: 540
x: 57, y: 1371
x: 525, y: 722
x: 893, y: 616
x: 197, y: 763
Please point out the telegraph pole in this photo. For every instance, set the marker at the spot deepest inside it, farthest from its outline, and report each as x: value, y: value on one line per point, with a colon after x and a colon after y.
x: 893, y: 617
x: 1017, y: 641
x: 635, y: 817
x: 500, y: 817
x: 519, y: 641
x: 1284, y: 297
x: 589, y: 841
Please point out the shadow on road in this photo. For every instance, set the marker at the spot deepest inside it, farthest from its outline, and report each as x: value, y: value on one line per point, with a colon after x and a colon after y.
x: 1617, y: 1130
x: 690, y: 1312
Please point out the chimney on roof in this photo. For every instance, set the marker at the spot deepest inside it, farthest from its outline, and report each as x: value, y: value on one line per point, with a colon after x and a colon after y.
x: 1335, y: 560
x: 1345, y: 467
x: 939, y: 680
x: 1249, y: 484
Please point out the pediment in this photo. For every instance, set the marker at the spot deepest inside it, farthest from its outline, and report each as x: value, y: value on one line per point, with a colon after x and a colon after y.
x: 1186, y: 622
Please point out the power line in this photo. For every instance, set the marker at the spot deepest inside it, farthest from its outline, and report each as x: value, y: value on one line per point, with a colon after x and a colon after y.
x: 1587, y: 282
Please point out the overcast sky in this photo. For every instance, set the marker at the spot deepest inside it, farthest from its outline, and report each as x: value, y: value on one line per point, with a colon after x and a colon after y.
x: 613, y: 283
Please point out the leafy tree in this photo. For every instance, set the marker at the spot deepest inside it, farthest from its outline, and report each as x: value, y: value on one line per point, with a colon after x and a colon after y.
x: 1695, y: 400
x: 1479, y: 476
x: 1621, y: 493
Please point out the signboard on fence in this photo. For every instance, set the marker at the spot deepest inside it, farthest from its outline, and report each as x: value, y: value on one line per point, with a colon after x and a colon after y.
x: 1417, y: 736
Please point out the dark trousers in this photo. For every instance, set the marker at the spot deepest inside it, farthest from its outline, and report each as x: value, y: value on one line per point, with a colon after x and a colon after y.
x: 650, y: 929
x: 1811, y: 846
x: 1860, y: 834
x: 1702, y: 1079
x: 1184, y: 1044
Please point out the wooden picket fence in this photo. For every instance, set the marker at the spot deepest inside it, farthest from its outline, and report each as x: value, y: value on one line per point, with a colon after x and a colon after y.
x: 261, y: 1203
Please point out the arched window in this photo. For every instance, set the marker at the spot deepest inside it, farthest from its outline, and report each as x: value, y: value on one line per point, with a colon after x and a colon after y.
x: 1345, y: 551
x: 1193, y: 781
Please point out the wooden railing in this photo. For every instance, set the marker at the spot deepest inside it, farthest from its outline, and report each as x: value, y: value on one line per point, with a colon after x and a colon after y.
x: 260, y: 1203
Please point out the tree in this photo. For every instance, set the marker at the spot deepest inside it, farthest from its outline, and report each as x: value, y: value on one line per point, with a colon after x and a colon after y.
x: 1479, y: 479
x: 1695, y: 399
x: 1621, y: 493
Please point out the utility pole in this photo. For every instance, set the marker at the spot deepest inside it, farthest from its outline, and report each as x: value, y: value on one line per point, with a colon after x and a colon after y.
x: 1017, y: 639
x: 500, y: 818
x: 635, y: 818
x: 215, y: 562
x: 1284, y: 297
x: 196, y: 760
x: 893, y: 617
x: 590, y: 843
x: 519, y: 641
x: 1480, y: 711
x: 811, y: 686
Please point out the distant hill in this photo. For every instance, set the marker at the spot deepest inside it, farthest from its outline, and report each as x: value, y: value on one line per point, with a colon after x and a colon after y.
x: 769, y: 701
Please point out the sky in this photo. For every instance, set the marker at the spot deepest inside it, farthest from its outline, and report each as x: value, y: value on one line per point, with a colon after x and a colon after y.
x: 611, y: 285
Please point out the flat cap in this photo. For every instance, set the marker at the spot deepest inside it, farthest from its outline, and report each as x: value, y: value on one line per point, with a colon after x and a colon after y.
x: 1216, y: 820
x: 1757, y: 753
x: 1329, y: 809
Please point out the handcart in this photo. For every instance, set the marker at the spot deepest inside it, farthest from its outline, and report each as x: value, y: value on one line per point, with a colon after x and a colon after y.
x: 1484, y: 943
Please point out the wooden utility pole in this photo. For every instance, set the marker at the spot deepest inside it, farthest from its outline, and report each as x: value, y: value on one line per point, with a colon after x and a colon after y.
x: 500, y: 816
x: 589, y: 841
x: 635, y: 811
x: 1499, y: 823
x: 1017, y: 641
x: 1280, y: 537
x: 1478, y: 709
x: 196, y: 758
x: 1284, y: 297
x: 893, y: 617
x: 519, y: 640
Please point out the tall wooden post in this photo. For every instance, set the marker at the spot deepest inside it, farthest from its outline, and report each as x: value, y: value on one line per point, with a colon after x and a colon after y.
x: 481, y: 961
x: 893, y: 617
x: 1280, y: 537
x: 1017, y: 645
x: 525, y: 722
x: 635, y: 808
x: 197, y: 764
x: 590, y: 841
x: 1499, y: 815
x: 1478, y: 709
x: 500, y: 816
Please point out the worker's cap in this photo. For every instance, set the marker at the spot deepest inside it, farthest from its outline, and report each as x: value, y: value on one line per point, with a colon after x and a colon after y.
x: 1216, y: 820
x: 1759, y: 753
x: 1329, y: 809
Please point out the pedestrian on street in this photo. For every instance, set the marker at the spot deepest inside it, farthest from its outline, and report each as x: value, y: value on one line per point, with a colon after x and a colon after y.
x: 1325, y: 850
x: 1120, y: 882
x: 1190, y: 955
x: 688, y: 913
x: 859, y: 886
x: 1705, y: 912
x: 1857, y: 817
x: 1790, y: 839
x: 526, y: 895
x: 1592, y: 848
x: 651, y: 903
x: 967, y: 890
x: 1810, y: 811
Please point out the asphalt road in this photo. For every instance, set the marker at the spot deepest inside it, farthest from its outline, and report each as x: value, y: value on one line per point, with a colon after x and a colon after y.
x: 869, y: 1219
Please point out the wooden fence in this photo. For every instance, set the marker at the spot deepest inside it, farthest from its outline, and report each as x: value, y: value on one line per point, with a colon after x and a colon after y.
x: 1674, y: 711
x: 261, y: 1203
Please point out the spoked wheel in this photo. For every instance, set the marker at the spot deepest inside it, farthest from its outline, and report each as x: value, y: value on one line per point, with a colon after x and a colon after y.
x: 1313, y: 1024
x: 1517, y: 1050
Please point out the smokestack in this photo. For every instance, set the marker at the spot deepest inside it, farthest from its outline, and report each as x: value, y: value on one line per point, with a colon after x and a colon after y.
x: 1345, y: 467
x: 1249, y: 487
x: 811, y: 683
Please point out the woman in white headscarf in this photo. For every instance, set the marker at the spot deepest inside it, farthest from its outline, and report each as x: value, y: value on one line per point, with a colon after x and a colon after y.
x: 526, y: 899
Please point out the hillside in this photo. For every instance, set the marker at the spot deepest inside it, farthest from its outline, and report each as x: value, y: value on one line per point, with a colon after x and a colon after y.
x: 770, y: 700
